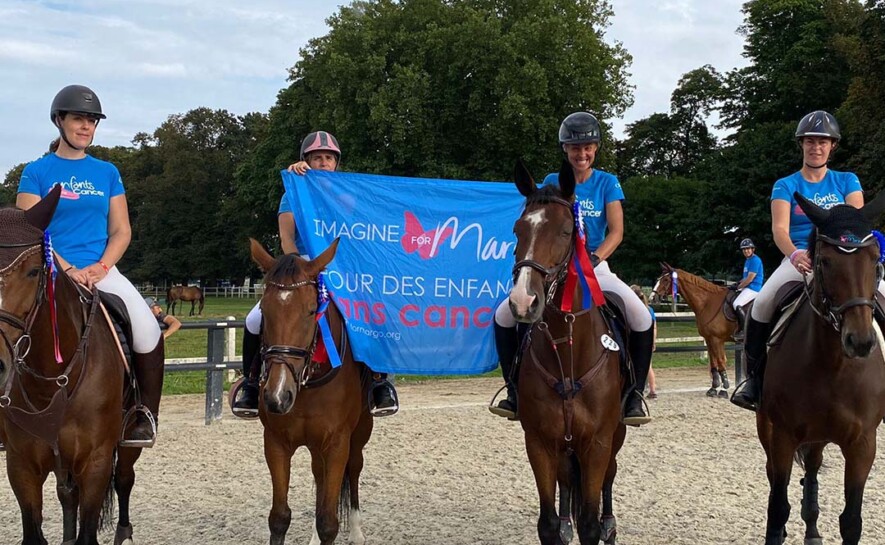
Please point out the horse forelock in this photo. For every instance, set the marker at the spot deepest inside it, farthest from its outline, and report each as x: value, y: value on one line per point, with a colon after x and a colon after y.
x: 545, y: 195
x: 285, y: 269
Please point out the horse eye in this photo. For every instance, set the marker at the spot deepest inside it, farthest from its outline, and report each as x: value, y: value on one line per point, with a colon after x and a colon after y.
x: 825, y: 261
x: 565, y: 234
x: 33, y: 272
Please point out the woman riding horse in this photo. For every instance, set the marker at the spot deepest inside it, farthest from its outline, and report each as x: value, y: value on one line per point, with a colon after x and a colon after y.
x: 90, y: 233
x: 818, y: 136
x: 600, y: 196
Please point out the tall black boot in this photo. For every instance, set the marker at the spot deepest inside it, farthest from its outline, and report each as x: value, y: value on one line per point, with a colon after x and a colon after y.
x: 507, y: 345
x: 640, y: 348
x: 149, y: 370
x: 748, y: 394
x: 385, y: 401
x: 246, y: 405
x: 741, y: 314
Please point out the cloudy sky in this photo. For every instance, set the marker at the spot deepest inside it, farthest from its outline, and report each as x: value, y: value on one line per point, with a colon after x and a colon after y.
x: 147, y: 59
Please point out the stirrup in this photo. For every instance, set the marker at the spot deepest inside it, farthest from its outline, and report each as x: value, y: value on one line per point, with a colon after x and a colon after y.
x: 138, y: 443
x: 391, y: 410
x: 496, y: 410
x: 246, y: 413
x: 635, y: 421
x: 738, y: 398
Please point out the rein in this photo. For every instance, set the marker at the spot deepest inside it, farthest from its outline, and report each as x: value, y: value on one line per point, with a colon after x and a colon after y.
x: 830, y: 313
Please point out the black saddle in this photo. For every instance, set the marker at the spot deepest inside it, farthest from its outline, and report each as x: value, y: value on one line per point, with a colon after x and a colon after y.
x: 122, y: 323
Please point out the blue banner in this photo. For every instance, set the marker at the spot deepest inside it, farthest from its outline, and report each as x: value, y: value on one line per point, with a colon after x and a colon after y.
x: 421, y: 266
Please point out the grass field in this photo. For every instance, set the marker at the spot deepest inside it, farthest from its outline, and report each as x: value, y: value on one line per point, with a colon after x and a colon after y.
x: 192, y: 344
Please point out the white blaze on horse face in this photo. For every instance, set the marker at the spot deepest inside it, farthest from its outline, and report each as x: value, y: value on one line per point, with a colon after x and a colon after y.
x: 657, y: 284
x: 520, y: 300
x: 356, y: 531
x: 283, y: 295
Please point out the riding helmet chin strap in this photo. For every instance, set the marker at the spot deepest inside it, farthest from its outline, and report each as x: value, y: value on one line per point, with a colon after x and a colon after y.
x: 64, y: 137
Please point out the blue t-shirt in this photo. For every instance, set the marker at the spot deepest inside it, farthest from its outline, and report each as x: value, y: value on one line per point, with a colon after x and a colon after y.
x: 827, y: 193
x: 753, y: 264
x: 284, y: 207
x: 652, y: 312
x: 79, y: 228
x: 599, y: 190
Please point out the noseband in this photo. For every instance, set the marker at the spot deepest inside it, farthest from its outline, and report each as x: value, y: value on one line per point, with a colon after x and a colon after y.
x: 285, y: 354
x: 553, y: 275
x: 19, y: 350
x: 833, y: 314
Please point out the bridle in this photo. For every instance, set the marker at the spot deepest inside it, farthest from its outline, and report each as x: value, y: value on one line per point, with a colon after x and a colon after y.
x: 22, y: 346
x: 553, y: 276
x: 831, y: 313
x: 285, y: 354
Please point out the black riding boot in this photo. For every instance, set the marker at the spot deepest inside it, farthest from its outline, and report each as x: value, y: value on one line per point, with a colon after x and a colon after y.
x: 507, y: 345
x: 385, y: 401
x: 246, y: 405
x: 748, y: 394
x: 741, y: 314
x: 149, y: 371
x: 640, y: 348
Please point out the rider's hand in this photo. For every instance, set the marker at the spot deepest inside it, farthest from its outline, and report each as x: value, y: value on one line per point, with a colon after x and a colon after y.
x: 594, y: 260
x: 79, y: 276
x: 801, y: 261
x: 95, y: 273
x: 299, y: 168
x: 733, y: 287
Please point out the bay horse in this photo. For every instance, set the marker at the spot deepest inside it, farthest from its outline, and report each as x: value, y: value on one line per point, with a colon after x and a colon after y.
x: 706, y: 300
x: 65, y: 417
x: 825, y: 378
x: 184, y: 293
x: 308, y: 403
x: 570, y: 383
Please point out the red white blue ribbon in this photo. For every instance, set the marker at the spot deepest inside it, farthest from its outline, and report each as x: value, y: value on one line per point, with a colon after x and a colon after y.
x: 674, y: 287
x: 580, y: 269
x: 49, y: 259
x: 325, y: 348
x: 881, y: 239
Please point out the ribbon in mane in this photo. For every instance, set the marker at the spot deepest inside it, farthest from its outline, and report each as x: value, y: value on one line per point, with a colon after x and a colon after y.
x: 674, y: 286
x: 50, y: 293
x: 581, y: 268
x: 881, y: 239
x: 325, y: 349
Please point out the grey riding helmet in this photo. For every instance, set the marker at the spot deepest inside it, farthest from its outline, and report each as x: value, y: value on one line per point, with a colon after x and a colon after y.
x: 76, y: 98
x: 580, y: 128
x: 818, y: 123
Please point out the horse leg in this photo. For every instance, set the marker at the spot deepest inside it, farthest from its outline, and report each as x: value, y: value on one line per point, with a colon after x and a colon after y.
x: 609, y: 523
x: 27, y: 484
x: 124, y: 480
x: 813, y: 458
x: 94, y: 482
x: 859, y: 458
x: 544, y: 466
x: 592, y: 475
x: 780, y: 464
x: 193, y: 306
x: 354, y: 467
x: 714, y: 372
x: 566, y: 530
x: 279, y: 462
x: 328, y: 467
x: 719, y: 359
x: 68, y: 494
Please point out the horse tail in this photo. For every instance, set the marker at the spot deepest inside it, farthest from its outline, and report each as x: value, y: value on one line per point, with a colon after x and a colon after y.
x: 106, y: 519
x: 344, y: 501
x: 801, y: 454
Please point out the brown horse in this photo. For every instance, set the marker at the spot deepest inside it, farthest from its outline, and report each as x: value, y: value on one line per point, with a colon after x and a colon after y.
x: 825, y: 379
x: 706, y: 300
x: 63, y: 417
x: 303, y: 403
x: 184, y: 293
x: 570, y: 382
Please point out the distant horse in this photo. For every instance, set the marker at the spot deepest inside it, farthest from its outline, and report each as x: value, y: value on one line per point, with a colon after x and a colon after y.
x: 825, y: 379
x: 66, y: 417
x: 184, y: 293
x: 310, y: 404
x: 570, y: 383
x: 706, y: 300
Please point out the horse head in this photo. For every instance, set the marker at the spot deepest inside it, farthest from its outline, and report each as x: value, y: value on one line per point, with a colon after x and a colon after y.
x: 663, y: 286
x: 289, y: 307
x: 23, y: 274
x: 544, y: 241
x: 846, y: 261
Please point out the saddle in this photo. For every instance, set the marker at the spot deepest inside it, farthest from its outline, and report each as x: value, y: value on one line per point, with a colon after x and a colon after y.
x: 728, y: 306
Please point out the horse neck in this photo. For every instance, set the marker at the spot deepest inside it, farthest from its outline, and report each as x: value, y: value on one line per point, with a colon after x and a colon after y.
x: 69, y: 316
x: 698, y: 292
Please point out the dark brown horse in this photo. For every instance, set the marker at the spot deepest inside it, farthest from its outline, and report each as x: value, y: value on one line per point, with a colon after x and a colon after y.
x: 184, y: 293
x: 825, y: 379
x: 706, y: 300
x: 63, y: 417
x: 309, y: 404
x: 570, y: 382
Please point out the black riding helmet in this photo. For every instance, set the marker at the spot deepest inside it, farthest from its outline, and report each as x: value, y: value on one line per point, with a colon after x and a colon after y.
x: 747, y: 243
x: 74, y: 99
x: 818, y: 123
x: 580, y: 128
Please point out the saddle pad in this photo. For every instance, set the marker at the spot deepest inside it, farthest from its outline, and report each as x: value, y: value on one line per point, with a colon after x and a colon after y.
x: 787, y: 313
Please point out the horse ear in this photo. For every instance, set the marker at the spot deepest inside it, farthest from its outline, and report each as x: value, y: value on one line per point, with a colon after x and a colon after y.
x: 260, y: 256
x: 41, y: 213
x: 523, y: 179
x: 322, y: 260
x: 873, y: 209
x: 813, y: 212
x: 567, y: 181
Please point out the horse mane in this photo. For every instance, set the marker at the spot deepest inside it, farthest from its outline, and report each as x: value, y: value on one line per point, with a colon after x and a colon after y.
x: 699, y: 282
x: 545, y: 195
x: 285, y: 267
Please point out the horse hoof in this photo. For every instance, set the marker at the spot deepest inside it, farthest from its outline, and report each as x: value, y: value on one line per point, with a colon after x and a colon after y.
x: 123, y: 535
x: 711, y: 392
x: 723, y: 394
x: 566, y: 532
x: 814, y: 541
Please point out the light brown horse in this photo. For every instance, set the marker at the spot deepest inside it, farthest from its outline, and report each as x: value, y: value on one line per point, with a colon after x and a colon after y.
x: 570, y: 382
x: 825, y: 378
x: 184, y: 293
x: 706, y: 300
x: 63, y: 417
x: 309, y: 404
